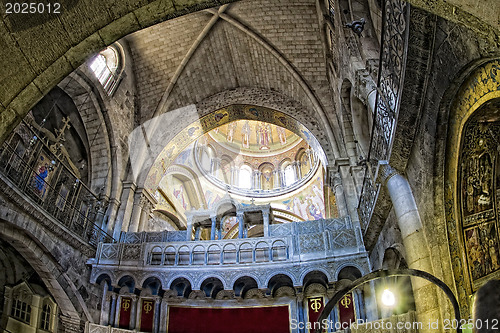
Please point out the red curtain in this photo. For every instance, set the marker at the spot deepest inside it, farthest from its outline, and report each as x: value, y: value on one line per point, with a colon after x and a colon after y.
x: 272, y: 319
x: 125, y: 305
x: 346, y: 310
x: 147, y: 315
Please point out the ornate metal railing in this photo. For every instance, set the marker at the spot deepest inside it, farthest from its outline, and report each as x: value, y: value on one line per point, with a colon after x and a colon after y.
x: 395, y: 23
x: 64, y: 197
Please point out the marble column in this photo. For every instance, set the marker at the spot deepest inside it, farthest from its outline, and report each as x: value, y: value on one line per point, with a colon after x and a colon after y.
x: 414, y: 240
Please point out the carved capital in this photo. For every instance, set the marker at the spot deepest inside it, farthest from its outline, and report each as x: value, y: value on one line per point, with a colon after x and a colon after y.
x: 385, y: 172
x: 364, y: 85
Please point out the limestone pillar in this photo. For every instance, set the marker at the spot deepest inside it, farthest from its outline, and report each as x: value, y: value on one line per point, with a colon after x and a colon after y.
x: 417, y: 251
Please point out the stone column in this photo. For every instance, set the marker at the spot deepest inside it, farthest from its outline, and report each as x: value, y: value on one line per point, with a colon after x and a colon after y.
x: 215, y: 167
x: 276, y: 179
x: 366, y: 89
x: 417, y: 251
x: 197, y: 232
x: 134, y: 314
x: 106, y: 307
x: 300, y: 309
x: 212, y: 228
x: 189, y: 228
x: 241, y: 223
x: 112, y: 311
x: 338, y: 190
x: 148, y: 203
x: 117, y: 310
x: 111, y: 215
x: 157, y: 316
x: 163, y: 313
x: 136, y: 212
x: 298, y: 172
x: 265, y: 217
x: 124, y: 214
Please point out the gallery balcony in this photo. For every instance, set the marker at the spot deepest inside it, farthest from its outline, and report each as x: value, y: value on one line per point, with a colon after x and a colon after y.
x: 291, y: 248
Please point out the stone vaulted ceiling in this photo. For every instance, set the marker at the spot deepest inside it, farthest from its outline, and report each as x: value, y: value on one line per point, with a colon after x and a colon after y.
x: 188, y: 59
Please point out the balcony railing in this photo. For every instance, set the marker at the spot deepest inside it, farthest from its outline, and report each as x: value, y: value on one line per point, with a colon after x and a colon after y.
x: 288, y: 242
x: 395, y: 18
x: 65, y: 198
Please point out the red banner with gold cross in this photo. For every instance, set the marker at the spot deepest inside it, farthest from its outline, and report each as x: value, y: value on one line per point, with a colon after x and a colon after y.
x: 147, y: 315
x: 346, y: 311
x: 125, y: 307
x: 314, y: 307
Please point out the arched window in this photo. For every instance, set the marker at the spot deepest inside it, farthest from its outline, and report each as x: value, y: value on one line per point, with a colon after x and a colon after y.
x: 106, y: 67
x: 245, y: 179
x: 289, y: 175
x: 45, y: 318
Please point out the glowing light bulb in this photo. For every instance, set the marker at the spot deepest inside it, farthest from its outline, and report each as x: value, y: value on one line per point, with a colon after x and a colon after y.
x: 388, y: 298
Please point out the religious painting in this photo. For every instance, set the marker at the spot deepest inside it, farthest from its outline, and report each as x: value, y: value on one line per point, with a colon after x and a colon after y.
x: 310, y: 203
x: 245, y: 135
x: 44, y: 170
x: 179, y: 193
x: 482, y: 249
x: 305, y: 164
x: 267, y: 177
x: 281, y: 135
x: 264, y: 137
x: 477, y: 183
x: 479, y: 218
x: 231, y: 127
